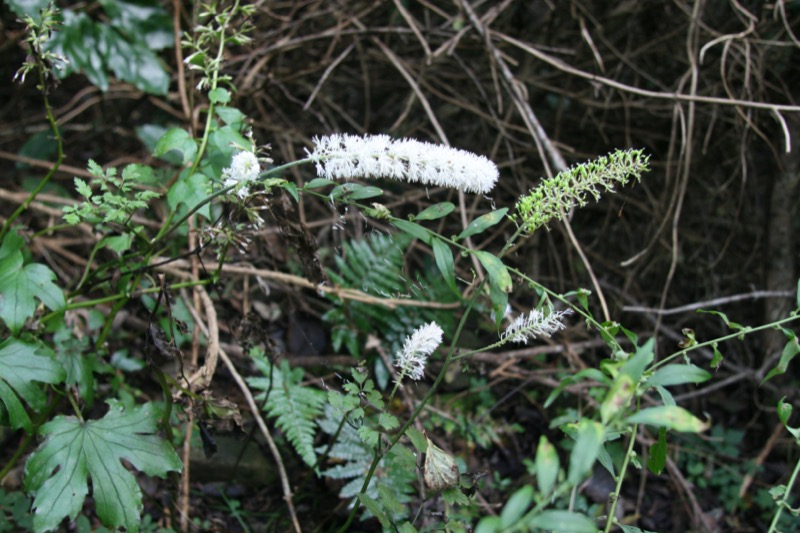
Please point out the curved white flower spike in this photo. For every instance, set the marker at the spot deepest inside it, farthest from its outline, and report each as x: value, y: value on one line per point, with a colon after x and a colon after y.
x: 342, y: 156
x: 416, y: 349
x: 534, y: 324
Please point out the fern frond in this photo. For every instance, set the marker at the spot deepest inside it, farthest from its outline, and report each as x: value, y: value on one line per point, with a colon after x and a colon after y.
x: 294, y: 407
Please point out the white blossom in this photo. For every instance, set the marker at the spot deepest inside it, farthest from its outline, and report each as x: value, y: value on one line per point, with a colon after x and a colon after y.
x: 244, y: 168
x: 410, y: 361
x: 342, y: 157
x: 534, y: 324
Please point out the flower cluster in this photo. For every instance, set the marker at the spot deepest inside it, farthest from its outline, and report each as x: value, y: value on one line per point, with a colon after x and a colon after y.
x: 416, y: 349
x: 244, y: 168
x: 536, y: 323
x: 378, y: 156
x: 570, y: 188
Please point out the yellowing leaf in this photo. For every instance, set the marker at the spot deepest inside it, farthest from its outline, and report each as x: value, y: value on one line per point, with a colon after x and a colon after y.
x: 441, y: 471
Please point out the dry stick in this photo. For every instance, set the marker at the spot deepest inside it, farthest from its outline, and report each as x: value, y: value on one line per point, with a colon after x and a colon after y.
x: 716, y: 302
x: 762, y: 456
x: 287, y: 491
x: 539, y: 135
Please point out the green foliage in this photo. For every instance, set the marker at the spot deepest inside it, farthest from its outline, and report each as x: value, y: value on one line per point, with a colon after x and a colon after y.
x: 125, y: 45
x: 22, y: 367
x: 116, y: 201
x: 294, y: 406
x: 570, y: 188
x: 21, y: 285
x: 75, y: 450
x: 14, y: 512
x: 375, y: 265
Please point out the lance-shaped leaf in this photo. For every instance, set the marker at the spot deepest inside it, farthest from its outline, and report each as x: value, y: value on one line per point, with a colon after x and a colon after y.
x: 670, y: 417
x: 21, y: 366
x: 75, y: 450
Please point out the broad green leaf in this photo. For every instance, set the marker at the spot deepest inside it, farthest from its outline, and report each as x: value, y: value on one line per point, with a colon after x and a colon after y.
x: 482, y: 223
x: 634, y: 367
x: 406, y: 527
x: 21, y: 286
x: 563, y: 522
x: 317, y: 183
x: 189, y: 191
x: 219, y: 95
x: 32, y: 8
x: 488, y: 524
x: 588, y: 442
x: 230, y: 116
x: 147, y: 22
x: 418, y: 439
x: 413, y: 229
x: 131, y: 61
x: 436, y: 211
x: 516, y: 506
x: 75, y: 450
x: 658, y: 453
x: 678, y: 374
x: 499, y: 303
x: 546, y: 465
x: 365, y: 192
x: 443, y: 256
x: 670, y: 417
x: 666, y: 396
x: 22, y: 367
x: 618, y: 397
x: 790, y: 350
x: 179, y: 140
x: 498, y: 274
x: 118, y: 243
x: 440, y: 470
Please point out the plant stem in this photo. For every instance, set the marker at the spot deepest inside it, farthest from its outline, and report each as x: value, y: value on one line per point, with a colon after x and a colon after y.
x: 620, y: 478
x: 784, y: 501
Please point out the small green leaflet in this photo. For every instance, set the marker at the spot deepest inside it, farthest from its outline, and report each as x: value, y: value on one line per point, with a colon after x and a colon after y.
x: 21, y: 366
x: 20, y: 286
x: 482, y: 223
x: 441, y: 471
x: 95, y: 448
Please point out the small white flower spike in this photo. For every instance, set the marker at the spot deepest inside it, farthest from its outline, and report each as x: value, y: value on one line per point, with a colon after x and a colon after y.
x: 416, y: 349
x: 535, y: 323
x: 244, y: 168
x: 342, y: 157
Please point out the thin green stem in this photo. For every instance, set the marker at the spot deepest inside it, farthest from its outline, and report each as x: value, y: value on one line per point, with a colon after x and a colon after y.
x: 59, y: 159
x: 782, y: 504
x: 620, y: 478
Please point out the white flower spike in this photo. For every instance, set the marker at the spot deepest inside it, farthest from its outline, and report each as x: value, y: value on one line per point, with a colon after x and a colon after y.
x: 416, y: 349
x: 342, y: 157
x: 244, y: 168
x: 534, y: 324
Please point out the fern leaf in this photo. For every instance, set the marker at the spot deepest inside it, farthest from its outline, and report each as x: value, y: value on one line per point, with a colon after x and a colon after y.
x: 294, y: 407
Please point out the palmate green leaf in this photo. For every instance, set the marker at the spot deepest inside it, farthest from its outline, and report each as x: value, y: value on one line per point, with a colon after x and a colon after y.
x: 74, y: 451
x: 20, y: 286
x: 22, y: 365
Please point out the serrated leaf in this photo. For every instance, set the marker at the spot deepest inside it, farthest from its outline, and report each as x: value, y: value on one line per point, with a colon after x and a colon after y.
x: 454, y: 496
x: 443, y: 256
x: 440, y: 471
x: 75, y: 450
x: 178, y: 140
x: 20, y: 286
x: 22, y: 365
x: 658, y: 453
x: 219, y: 95
x: 436, y: 211
x: 418, y: 439
x: 482, y: 223
x: 670, y: 417
x: 388, y: 421
x: 678, y: 374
